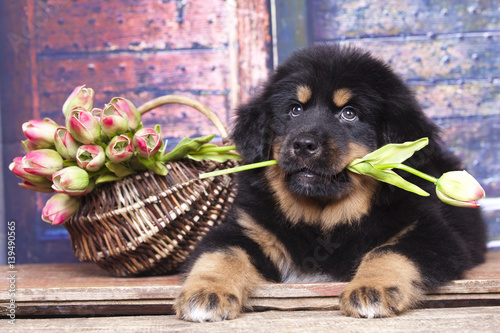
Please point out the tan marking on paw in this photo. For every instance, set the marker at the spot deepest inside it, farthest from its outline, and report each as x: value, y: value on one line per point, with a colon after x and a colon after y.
x: 384, y: 285
x: 217, y: 286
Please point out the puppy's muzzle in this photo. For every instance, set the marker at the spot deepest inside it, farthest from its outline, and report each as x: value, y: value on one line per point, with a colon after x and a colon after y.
x: 305, y: 145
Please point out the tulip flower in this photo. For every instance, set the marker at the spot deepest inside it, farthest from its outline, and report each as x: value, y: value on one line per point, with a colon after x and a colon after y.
x: 147, y: 141
x: 120, y: 149
x: 59, y: 208
x: 65, y: 144
x: 90, y: 157
x: 81, y: 96
x: 459, y: 188
x: 40, y: 132
x: 83, y: 126
x: 126, y: 107
x: 73, y: 181
x: 43, y: 188
x: 113, y: 121
x: 42, y: 162
x: 28, y: 145
x: 17, y: 168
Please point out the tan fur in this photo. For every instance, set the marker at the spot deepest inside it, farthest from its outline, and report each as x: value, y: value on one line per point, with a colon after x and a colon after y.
x: 217, y: 286
x: 274, y: 249
x: 385, y: 284
x: 394, y: 239
x: 304, y: 93
x: 267, y: 240
x: 341, y: 97
x: 346, y: 210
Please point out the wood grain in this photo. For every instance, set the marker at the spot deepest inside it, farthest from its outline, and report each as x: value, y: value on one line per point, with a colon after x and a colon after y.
x: 477, y: 319
x: 84, y: 289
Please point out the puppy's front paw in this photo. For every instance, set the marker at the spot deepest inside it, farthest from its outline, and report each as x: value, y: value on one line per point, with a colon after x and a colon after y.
x: 383, y: 286
x: 203, y: 304
x: 217, y: 286
x: 373, y: 301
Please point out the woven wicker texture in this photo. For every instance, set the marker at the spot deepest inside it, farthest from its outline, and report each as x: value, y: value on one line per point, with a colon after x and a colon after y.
x: 147, y: 224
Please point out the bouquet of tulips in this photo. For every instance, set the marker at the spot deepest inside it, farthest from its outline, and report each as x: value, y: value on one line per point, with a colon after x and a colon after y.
x: 96, y: 146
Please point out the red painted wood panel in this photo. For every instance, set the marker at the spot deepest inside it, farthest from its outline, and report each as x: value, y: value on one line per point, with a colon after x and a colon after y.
x: 129, y: 25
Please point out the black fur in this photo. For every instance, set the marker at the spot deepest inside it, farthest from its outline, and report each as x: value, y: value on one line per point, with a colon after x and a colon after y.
x: 443, y: 241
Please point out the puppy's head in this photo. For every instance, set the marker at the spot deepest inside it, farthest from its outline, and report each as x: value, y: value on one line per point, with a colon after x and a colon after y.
x: 324, y: 107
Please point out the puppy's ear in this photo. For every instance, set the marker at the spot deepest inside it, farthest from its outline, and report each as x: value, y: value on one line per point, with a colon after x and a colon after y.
x: 404, y: 120
x: 251, y: 133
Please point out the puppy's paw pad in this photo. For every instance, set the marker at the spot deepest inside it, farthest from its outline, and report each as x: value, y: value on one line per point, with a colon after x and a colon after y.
x: 373, y: 301
x: 203, y: 305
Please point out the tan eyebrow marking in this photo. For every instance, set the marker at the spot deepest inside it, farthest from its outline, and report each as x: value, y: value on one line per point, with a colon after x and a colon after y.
x: 342, y: 96
x: 303, y: 94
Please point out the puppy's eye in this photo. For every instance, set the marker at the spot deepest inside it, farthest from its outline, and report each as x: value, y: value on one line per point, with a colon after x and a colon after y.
x: 296, y: 110
x: 348, y: 113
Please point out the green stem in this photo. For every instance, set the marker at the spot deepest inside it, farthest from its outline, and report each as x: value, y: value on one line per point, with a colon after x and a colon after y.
x: 213, y: 149
x: 238, y: 169
x: 407, y: 169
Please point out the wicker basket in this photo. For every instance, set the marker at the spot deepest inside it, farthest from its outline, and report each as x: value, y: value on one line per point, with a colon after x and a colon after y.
x: 147, y: 224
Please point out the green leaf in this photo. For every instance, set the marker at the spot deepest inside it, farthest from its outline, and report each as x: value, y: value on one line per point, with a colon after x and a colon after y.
x: 394, y: 152
x: 107, y: 177
x: 159, y: 168
x: 119, y: 170
x: 386, y: 175
x: 186, y: 146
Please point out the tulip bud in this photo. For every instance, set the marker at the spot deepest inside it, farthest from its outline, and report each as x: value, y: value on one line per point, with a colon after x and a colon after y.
x: 147, y: 142
x: 43, y: 188
x: 83, y: 126
x: 124, y: 106
x: 40, y: 132
x: 17, y: 168
x: 73, y: 181
x: 59, y: 208
x: 459, y: 188
x: 113, y: 121
x: 65, y: 144
x: 42, y: 162
x: 81, y: 96
x: 28, y: 145
x: 90, y: 157
x: 120, y: 149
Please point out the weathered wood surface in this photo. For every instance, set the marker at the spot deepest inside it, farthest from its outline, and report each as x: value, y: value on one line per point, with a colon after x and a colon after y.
x: 84, y: 289
x: 477, y: 319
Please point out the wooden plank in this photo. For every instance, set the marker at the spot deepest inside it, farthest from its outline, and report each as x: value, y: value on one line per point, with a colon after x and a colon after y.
x: 478, y: 319
x: 254, y: 47
x: 84, y: 289
x: 291, y: 21
x: 121, y: 74
x: 130, y: 25
x: 18, y: 104
x: 444, y: 57
x: 337, y: 19
x: 460, y: 99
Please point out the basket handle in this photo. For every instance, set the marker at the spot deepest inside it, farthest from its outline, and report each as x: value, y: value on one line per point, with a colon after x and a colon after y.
x: 178, y: 99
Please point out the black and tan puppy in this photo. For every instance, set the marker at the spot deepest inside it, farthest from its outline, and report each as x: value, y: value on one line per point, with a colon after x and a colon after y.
x: 308, y: 219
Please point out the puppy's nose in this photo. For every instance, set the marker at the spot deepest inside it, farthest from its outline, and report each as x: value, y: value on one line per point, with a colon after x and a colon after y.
x: 305, y: 145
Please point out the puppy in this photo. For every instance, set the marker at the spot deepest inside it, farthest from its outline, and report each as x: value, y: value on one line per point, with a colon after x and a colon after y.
x: 309, y: 219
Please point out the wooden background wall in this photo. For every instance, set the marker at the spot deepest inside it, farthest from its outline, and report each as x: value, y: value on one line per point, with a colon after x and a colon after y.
x: 215, y: 51
x: 218, y: 51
